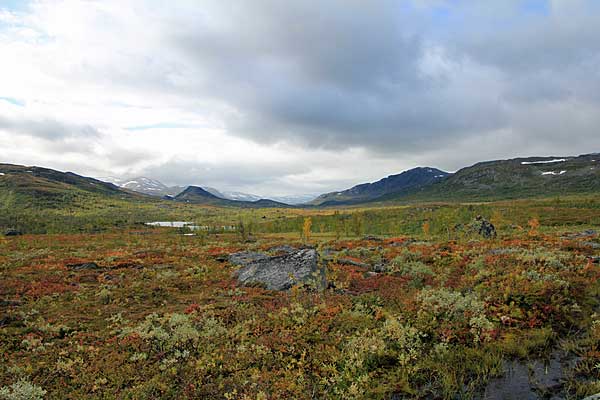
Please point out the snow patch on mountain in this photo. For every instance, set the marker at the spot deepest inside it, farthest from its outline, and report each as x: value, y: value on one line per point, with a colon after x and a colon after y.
x: 543, y: 162
x: 553, y: 173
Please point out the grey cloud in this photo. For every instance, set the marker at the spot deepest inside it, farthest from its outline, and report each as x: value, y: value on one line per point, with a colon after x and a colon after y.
x: 48, y: 129
x: 348, y: 73
x: 438, y: 82
x: 225, y: 175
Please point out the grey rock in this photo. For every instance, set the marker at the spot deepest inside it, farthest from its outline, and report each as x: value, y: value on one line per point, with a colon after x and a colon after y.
x: 126, y: 264
x: 246, y: 257
x: 348, y: 261
x: 279, y: 272
x: 379, y: 268
x: 372, y: 238
x: 83, y: 266
x: 484, y: 227
x: 584, y: 234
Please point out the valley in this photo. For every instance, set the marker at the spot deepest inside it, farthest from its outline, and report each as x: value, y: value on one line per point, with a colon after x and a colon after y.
x: 415, y: 290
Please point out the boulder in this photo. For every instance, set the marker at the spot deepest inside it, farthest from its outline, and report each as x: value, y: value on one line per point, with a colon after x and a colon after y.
x: 379, y: 267
x: 246, y: 257
x: 484, y: 227
x: 279, y: 272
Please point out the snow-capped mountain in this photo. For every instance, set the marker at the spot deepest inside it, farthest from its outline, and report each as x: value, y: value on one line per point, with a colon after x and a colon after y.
x: 156, y: 188
x: 294, y: 199
x: 240, y: 196
x: 145, y: 185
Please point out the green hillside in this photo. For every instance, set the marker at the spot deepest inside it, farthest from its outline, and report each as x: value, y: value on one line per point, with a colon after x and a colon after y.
x: 520, y: 178
x: 37, y: 187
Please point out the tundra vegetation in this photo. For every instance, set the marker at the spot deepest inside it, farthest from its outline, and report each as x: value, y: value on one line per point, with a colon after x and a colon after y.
x: 95, y: 304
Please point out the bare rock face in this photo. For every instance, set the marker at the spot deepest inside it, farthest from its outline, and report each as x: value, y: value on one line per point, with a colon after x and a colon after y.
x: 279, y: 272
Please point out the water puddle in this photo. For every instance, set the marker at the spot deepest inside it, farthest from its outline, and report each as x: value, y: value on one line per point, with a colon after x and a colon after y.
x: 531, y: 380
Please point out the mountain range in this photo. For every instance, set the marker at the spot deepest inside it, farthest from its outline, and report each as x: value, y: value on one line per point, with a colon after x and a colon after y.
x: 154, y: 187
x: 409, y: 181
x: 488, y: 180
x: 198, y: 195
x: 484, y: 181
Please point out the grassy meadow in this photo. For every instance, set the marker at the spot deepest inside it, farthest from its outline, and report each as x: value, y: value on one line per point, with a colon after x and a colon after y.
x: 159, y: 315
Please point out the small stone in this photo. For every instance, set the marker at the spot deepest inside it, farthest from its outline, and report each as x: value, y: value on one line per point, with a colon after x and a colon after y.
x: 348, y: 261
x: 83, y: 266
x: 372, y: 238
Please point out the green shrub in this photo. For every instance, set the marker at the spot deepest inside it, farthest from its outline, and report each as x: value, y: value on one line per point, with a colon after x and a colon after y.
x: 453, y: 306
x: 22, y: 390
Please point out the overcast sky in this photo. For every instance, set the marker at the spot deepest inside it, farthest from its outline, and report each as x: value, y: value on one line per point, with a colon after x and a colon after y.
x: 287, y: 97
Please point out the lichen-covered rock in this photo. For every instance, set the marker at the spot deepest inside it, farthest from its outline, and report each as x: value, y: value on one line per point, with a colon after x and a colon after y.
x: 484, y: 227
x: 279, y: 272
x: 246, y: 257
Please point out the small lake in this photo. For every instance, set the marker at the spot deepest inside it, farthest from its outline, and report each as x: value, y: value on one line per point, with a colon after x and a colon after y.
x: 173, y: 224
x: 190, y: 225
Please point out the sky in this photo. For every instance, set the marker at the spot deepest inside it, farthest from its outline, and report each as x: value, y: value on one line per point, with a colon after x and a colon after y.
x: 290, y: 97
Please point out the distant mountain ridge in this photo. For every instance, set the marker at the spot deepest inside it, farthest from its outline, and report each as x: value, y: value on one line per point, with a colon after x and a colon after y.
x: 145, y: 185
x: 44, y: 187
x: 154, y: 187
x: 198, y: 195
x: 522, y: 177
x: 517, y: 178
x: 37, y: 187
x: 405, y: 182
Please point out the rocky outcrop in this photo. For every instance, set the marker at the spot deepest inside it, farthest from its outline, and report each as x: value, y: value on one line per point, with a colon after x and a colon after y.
x: 279, y: 272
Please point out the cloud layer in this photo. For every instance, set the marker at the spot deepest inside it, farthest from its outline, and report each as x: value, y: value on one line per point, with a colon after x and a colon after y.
x: 298, y: 96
